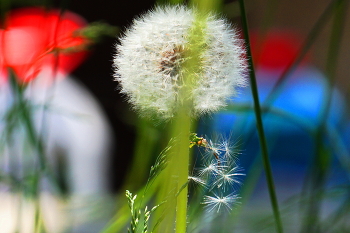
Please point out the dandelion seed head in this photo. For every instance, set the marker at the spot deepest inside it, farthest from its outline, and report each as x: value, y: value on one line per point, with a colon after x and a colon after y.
x: 149, y: 60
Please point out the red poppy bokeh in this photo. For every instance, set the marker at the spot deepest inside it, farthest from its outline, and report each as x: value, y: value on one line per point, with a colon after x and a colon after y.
x: 36, y: 42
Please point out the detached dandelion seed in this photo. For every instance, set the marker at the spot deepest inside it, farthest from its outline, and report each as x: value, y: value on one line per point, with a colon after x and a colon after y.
x: 228, y: 178
x: 209, y: 169
x: 151, y: 55
x: 217, y: 202
x: 197, y: 180
x: 228, y: 150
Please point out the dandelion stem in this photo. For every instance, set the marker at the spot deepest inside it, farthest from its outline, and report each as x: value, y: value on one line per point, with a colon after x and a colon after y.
x: 181, y: 164
x: 263, y: 144
x: 176, y: 175
x: 208, y: 5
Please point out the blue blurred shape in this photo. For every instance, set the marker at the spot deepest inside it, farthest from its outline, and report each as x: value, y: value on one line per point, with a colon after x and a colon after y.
x: 290, y: 120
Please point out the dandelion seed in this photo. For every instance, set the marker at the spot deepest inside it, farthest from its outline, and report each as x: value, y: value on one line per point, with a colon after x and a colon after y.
x: 209, y: 169
x: 228, y: 178
x: 212, y: 150
x: 197, y: 180
x: 228, y: 150
x: 216, y: 202
x: 153, y: 50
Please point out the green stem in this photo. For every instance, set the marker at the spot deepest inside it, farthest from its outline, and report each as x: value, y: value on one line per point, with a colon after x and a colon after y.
x: 262, y: 138
x: 205, y: 6
x: 39, y: 224
x: 172, y: 188
x: 37, y: 218
x: 181, y: 161
x: 26, y: 117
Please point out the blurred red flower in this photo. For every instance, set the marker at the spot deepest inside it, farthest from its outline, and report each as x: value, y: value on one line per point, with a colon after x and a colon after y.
x: 277, y: 49
x: 36, y: 42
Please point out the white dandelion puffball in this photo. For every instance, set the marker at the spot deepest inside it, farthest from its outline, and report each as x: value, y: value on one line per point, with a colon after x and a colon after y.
x: 150, y: 59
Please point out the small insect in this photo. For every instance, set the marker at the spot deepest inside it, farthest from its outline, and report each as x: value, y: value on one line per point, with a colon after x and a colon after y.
x: 202, y: 142
x: 197, y: 141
